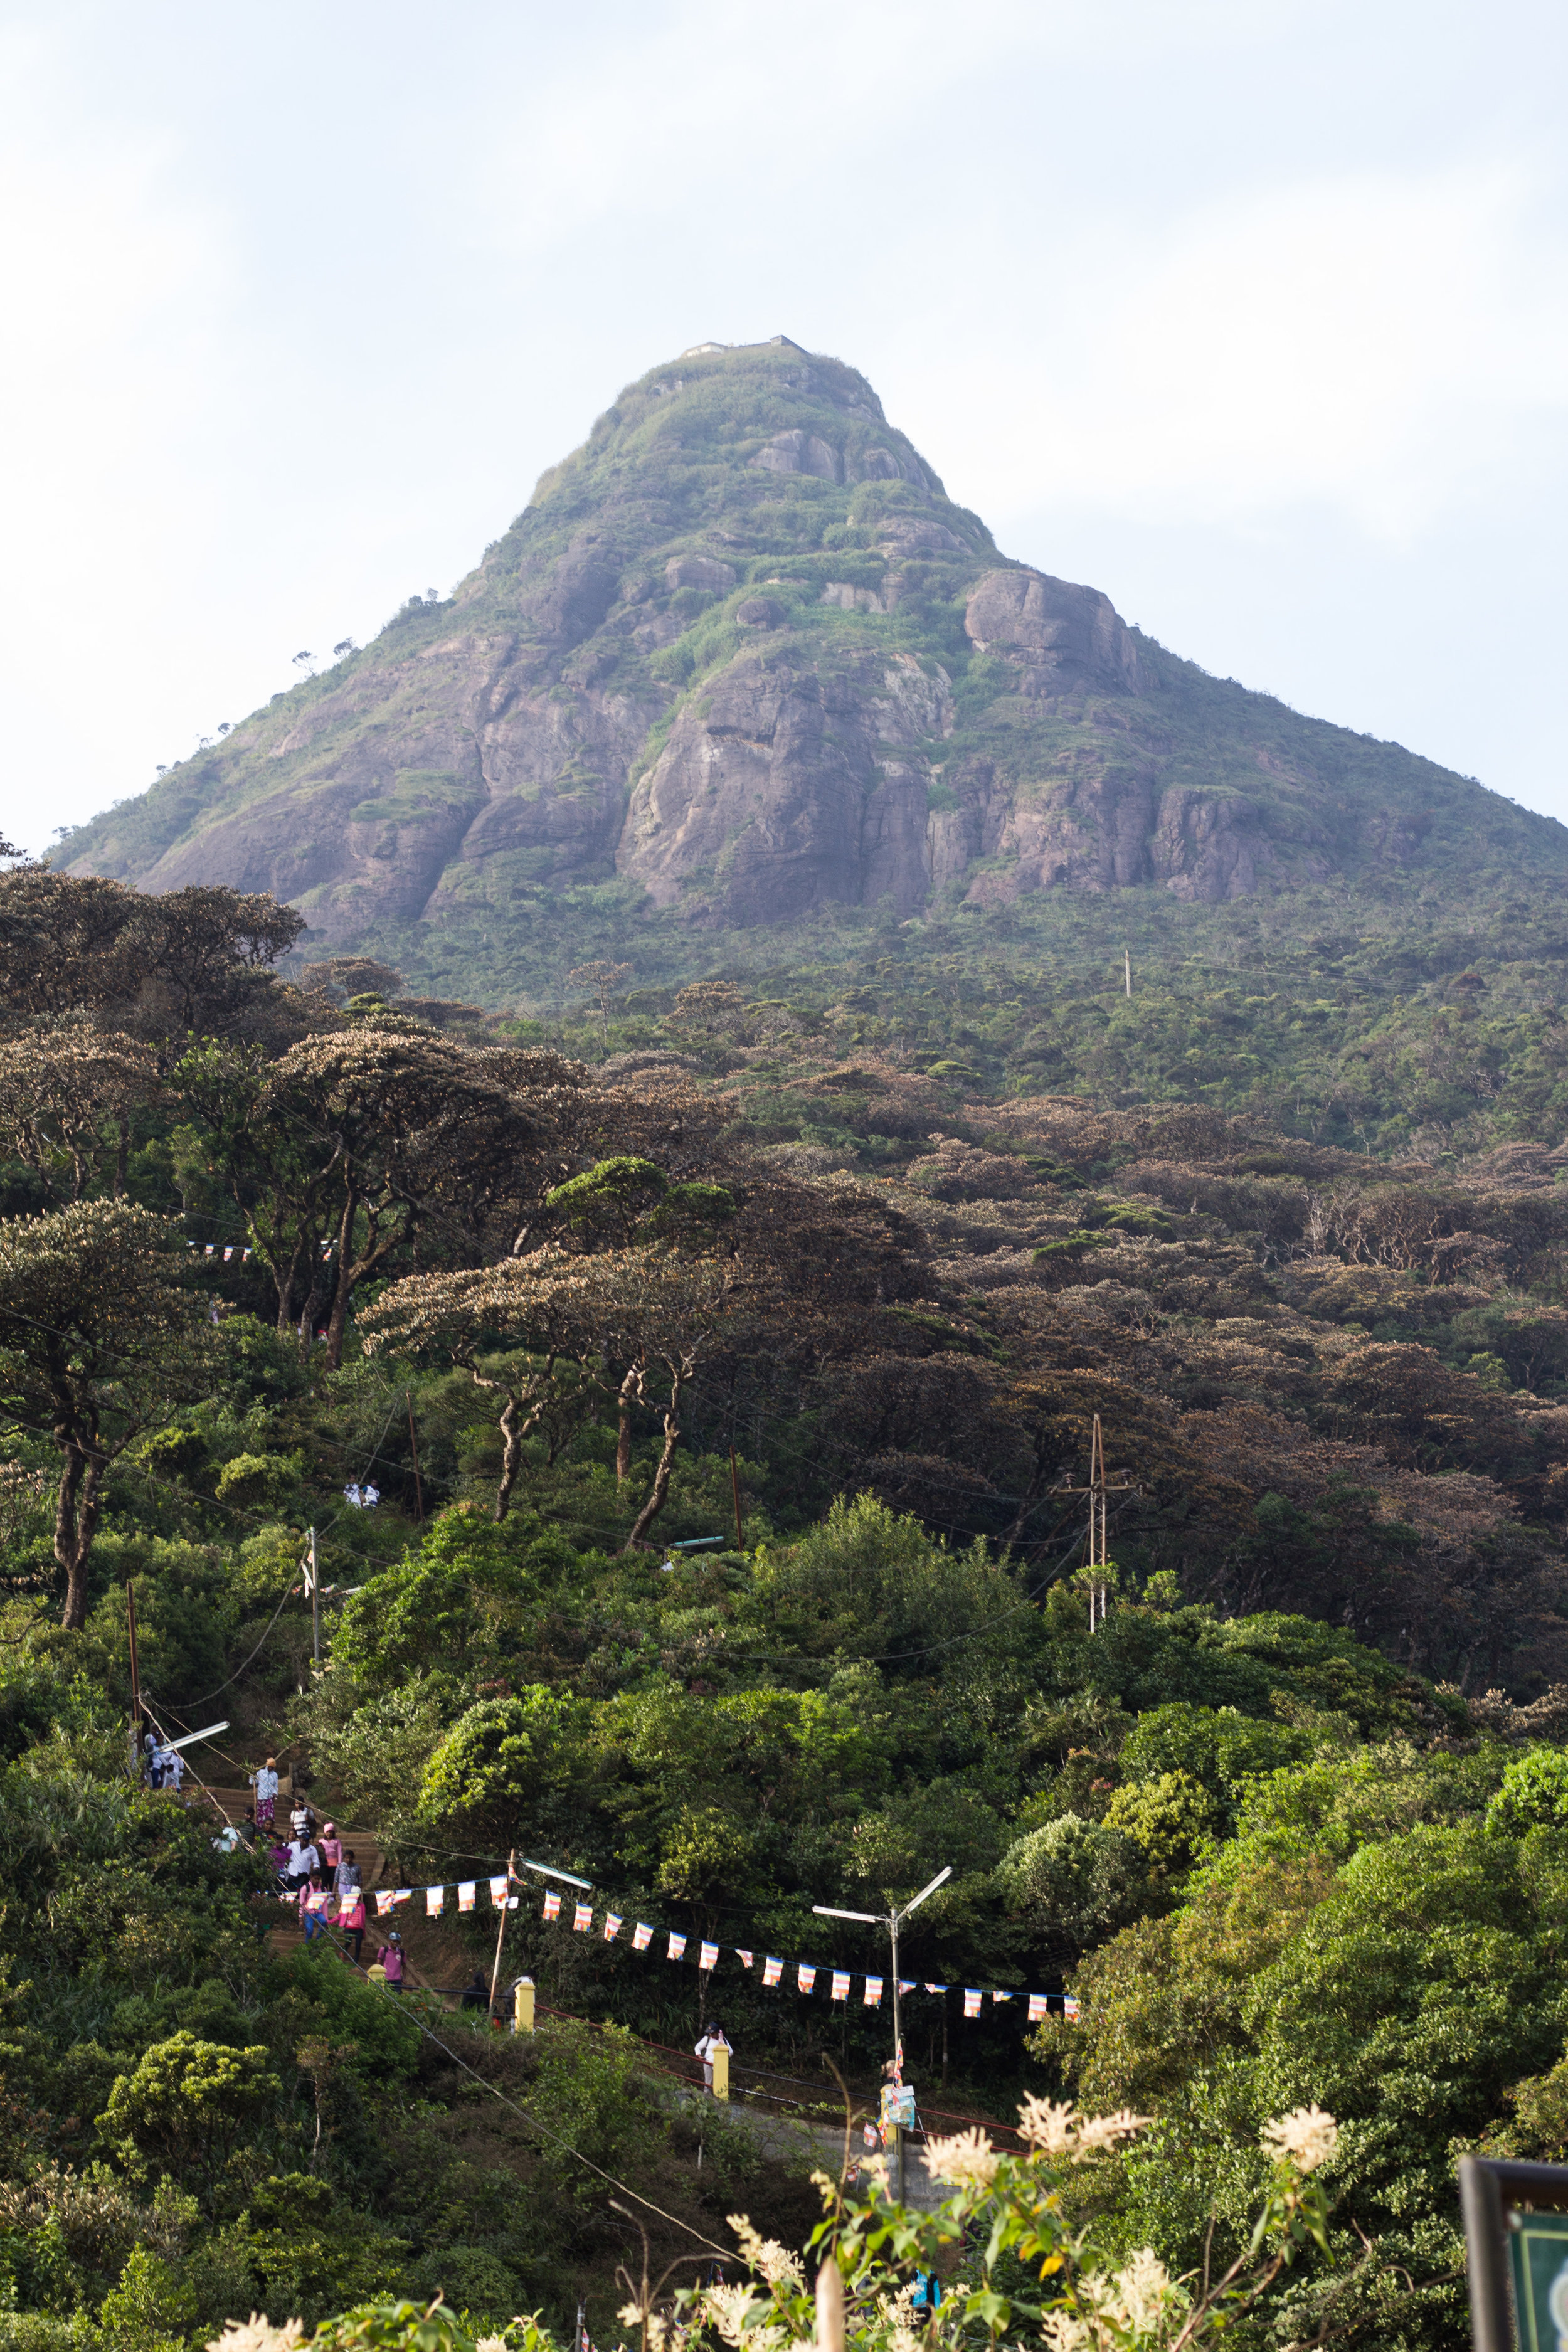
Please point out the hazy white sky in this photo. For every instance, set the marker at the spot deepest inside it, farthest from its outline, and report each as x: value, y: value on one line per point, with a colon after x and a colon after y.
x: 1252, y: 312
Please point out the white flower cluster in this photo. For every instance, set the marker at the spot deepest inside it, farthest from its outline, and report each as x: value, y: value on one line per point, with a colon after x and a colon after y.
x: 258, y: 2334
x: 1135, y: 2300
x: 1306, y: 2137
x: 1056, y: 2128
x: 767, y: 2256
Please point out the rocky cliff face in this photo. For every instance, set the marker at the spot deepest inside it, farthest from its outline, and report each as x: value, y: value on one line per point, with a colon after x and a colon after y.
x: 742, y: 653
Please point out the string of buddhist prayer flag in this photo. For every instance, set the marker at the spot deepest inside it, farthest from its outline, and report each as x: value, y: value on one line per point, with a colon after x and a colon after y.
x: 707, y: 1956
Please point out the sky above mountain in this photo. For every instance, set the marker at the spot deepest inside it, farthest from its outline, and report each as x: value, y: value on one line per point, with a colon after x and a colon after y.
x: 1253, y: 315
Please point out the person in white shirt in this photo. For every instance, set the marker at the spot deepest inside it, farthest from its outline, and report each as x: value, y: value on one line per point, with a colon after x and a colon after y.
x: 302, y: 1860
x: 713, y: 2038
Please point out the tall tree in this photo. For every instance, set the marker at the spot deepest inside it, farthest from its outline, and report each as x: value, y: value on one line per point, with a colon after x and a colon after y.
x: 99, y: 1338
x: 67, y: 1096
x: 652, y: 1309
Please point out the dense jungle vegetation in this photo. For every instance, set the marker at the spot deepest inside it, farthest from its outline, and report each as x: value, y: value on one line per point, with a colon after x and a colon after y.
x: 854, y: 1263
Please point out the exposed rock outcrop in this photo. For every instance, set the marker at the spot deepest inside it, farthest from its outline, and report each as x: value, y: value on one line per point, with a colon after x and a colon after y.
x: 742, y: 653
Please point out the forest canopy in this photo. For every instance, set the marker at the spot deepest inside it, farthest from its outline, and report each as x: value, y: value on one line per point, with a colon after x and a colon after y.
x: 725, y: 1374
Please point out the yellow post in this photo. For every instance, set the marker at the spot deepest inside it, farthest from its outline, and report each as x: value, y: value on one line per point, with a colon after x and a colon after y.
x: 522, y: 2006
x: 720, y: 2057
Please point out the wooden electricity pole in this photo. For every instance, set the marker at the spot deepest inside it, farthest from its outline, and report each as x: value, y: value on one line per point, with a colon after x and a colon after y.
x: 1099, y: 1560
x: 414, y: 1444
x: 501, y: 1931
x: 135, y: 1684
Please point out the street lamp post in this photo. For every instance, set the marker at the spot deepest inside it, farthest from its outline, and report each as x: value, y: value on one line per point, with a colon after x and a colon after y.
x: 892, y: 1919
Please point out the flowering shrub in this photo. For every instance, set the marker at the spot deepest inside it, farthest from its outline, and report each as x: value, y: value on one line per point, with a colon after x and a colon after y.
x: 1023, y: 2273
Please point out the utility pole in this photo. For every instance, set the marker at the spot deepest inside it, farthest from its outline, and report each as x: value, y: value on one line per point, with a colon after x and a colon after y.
x: 501, y: 1931
x: 313, y: 1577
x: 414, y: 1444
x: 1097, y: 1490
x: 892, y: 1919
x: 135, y: 1684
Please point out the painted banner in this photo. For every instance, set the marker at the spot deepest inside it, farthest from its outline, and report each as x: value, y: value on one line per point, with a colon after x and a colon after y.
x: 873, y: 1992
x: 772, y: 1971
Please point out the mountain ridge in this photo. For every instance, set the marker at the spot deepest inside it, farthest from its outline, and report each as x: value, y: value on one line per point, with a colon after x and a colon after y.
x: 740, y: 659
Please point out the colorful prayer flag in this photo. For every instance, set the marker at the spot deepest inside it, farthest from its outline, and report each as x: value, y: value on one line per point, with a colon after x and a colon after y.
x: 840, y: 1984
x: 972, y: 2000
x: 581, y: 1918
x: 905, y: 1984
x: 497, y: 1893
x: 709, y: 1956
x: 677, y: 1946
x: 465, y: 1894
x: 1036, y: 2007
x: 209, y: 1250
x: 228, y: 1253
x: 403, y: 1894
x: 873, y: 1992
x: 612, y: 1925
x: 1001, y: 1996
x: 772, y: 1971
x: 806, y: 1975
x: 1070, y: 2008
x: 936, y: 1988
x: 551, y: 1904
x: 434, y: 1901
x: 642, y: 1937
x: 744, y: 1957
x: 383, y: 1901
x: 243, y: 1255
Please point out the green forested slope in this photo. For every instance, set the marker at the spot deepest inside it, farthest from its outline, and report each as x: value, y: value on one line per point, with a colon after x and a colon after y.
x: 1289, y: 1823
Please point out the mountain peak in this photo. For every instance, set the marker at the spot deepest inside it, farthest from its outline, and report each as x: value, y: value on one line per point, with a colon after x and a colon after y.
x: 740, y: 659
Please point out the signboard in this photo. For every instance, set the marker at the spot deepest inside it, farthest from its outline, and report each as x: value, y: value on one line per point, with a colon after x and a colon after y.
x: 899, y: 2112
x: 1516, y: 2254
